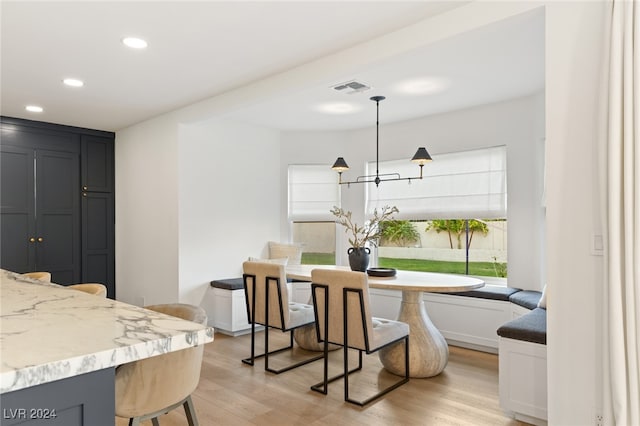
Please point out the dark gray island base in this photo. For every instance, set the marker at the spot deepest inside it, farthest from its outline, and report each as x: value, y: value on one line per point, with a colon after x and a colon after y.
x: 87, y: 399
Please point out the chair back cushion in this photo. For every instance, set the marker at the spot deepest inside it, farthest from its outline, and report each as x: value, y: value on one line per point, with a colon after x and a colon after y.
x: 152, y: 384
x: 256, y: 275
x: 292, y: 252
x: 360, y: 325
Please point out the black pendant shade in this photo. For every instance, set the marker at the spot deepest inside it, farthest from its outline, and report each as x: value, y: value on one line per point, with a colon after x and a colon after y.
x: 340, y: 165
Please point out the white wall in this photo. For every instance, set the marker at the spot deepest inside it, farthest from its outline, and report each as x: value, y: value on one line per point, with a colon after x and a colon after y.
x: 516, y: 124
x: 229, y: 201
x: 147, y: 213
x: 574, y: 56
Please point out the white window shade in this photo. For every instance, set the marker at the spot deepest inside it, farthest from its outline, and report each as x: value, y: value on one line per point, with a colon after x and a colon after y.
x: 461, y: 185
x: 313, y: 191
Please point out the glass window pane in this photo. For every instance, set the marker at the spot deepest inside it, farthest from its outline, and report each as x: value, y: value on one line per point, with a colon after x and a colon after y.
x: 440, y: 245
x: 318, y: 241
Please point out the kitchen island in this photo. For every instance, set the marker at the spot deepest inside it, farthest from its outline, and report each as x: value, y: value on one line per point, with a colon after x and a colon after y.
x: 59, y: 349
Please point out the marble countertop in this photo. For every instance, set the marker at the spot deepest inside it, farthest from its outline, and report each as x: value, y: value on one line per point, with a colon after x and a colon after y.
x: 49, y: 332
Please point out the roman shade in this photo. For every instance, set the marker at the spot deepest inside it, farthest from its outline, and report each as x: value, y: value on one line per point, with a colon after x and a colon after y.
x: 313, y: 191
x: 460, y: 185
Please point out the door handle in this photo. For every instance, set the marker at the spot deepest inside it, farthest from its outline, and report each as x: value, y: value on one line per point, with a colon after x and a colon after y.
x: 32, y: 240
x: 40, y: 239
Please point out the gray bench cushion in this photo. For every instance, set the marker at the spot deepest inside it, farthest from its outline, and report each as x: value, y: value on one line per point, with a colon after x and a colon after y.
x: 228, y: 284
x: 531, y: 327
x: 489, y: 292
x: 526, y: 298
x: 233, y: 283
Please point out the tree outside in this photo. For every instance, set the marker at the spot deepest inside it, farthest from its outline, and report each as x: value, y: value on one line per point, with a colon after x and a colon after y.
x: 457, y: 227
x: 399, y: 232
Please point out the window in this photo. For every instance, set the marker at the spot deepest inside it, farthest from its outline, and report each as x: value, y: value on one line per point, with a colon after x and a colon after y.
x: 313, y: 191
x: 446, y: 245
x: 453, y: 220
x: 318, y: 240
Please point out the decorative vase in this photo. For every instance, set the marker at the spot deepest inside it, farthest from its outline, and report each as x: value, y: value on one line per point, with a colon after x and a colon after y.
x: 359, y: 258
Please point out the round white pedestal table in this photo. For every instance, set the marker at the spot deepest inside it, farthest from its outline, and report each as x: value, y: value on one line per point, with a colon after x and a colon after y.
x: 428, y: 350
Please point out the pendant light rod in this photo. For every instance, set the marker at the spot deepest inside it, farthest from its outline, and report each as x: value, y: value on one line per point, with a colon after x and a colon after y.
x: 421, y: 157
x: 377, y: 99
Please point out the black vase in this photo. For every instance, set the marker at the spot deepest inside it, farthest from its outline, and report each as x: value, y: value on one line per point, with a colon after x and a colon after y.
x: 359, y: 258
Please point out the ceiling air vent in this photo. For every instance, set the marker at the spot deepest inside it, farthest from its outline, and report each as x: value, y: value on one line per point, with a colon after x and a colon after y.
x: 351, y: 87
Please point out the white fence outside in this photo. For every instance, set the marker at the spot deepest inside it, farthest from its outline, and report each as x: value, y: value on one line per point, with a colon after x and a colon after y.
x: 320, y: 238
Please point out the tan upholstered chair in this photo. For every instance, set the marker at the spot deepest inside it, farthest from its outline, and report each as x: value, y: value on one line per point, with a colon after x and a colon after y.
x: 266, y: 298
x: 96, y: 289
x: 152, y: 387
x: 343, y: 317
x: 42, y: 276
x: 305, y: 337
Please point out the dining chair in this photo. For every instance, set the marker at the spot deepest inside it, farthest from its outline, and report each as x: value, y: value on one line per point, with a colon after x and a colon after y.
x: 266, y: 298
x: 343, y: 317
x: 151, y: 387
x: 96, y: 289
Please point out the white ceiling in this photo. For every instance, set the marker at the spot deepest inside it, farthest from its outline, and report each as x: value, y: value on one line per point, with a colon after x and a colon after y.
x: 198, y: 50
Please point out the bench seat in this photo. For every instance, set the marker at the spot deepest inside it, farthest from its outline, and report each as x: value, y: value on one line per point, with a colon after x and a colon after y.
x: 228, y: 284
x: 491, y: 292
x: 526, y: 298
x: 531, y: 327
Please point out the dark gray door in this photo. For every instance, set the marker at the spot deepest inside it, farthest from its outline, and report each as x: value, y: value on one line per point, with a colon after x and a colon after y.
x: 58, y: 215
x: 17, y: 211
x: 40, y: 214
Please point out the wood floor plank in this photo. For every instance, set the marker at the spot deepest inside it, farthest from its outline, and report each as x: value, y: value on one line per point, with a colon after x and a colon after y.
x: 234, y: 394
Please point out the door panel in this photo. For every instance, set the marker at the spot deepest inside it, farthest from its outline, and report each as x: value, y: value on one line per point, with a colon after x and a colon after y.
x: 97, y: 164
x: 58, y: 215
x: 17, y: 211
x: 18, y: 253
x: 97, y: 240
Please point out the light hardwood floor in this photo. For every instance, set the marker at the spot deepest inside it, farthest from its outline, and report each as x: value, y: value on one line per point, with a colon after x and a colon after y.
x: 231, y: 393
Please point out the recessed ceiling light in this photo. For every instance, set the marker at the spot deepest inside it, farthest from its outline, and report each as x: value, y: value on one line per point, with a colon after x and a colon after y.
x: 73, y: 82
x: 423, y: 86
x: 338, y: 108
x: 134, y: 42
x: 34, y: 108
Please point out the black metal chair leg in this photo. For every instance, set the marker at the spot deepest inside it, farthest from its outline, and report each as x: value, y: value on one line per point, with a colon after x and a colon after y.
x: 190, y: 412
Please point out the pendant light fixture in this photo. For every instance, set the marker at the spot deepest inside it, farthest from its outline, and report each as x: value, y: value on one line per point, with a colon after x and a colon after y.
x: 421, y: 157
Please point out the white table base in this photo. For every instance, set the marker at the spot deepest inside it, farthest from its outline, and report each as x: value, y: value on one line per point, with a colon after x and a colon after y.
x: 428, y: 350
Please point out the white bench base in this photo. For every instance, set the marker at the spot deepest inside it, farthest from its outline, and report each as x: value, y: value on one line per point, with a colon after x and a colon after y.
x: 228, y: 312
x: 523, y: 380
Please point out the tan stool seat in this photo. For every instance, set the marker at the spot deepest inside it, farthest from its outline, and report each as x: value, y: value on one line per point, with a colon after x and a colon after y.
x: 96, y: 289
x: 42, y: 276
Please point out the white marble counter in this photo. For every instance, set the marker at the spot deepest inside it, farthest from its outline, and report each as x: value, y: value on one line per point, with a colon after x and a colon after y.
x: 48, y: 332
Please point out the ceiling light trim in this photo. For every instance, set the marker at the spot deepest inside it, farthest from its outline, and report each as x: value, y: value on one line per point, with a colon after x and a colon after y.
x: 135, y: 43
x: 73, y: 82
x: 34, y: 108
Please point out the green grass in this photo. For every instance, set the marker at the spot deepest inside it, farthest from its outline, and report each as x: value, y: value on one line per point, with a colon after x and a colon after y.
x: 485, y: 269
x: 319, y: 258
